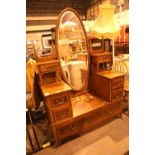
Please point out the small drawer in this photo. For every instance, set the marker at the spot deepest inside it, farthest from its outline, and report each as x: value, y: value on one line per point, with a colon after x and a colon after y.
x: 106, y: 57
x: 48, y: 67
x: 117, y: 83
x: 58, y: 100
x: 99, y: 59
x: 116, y: 94
x: 62, y: 113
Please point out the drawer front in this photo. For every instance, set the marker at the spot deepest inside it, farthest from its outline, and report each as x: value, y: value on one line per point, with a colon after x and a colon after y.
x: 100, y: 59
x: 116, y: 94
x: 61, y: 99
x: 114, y: 108
x: 95, y: 118
x: 70, y: 128
x: 102, y: 114
x: 104, y: 58
x: 117, y: 83
x: 48, y: 67
x: 110, y: 111
x: 62, y: 113
x: 107, y: 57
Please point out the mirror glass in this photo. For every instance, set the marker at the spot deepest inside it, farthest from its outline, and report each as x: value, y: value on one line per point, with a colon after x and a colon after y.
x: 72, y: 49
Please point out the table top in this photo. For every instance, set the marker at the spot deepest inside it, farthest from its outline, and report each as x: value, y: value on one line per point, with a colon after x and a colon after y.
x: 110, y: 74
x: 47, y: 62
x: 100, y: 54
x: 54, y: 88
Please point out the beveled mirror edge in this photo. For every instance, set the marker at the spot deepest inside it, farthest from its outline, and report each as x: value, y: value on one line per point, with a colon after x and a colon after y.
x: 85, y: 83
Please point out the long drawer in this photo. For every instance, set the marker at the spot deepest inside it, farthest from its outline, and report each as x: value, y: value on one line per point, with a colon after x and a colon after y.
x: 102, y: 114
x: 70, y: 128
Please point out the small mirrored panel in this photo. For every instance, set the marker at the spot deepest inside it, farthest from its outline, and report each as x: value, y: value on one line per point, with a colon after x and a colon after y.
x: 72, y: 50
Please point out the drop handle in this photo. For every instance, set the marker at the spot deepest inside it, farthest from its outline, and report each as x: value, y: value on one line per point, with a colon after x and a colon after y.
x: 73, y: 126
x: 60, y: 100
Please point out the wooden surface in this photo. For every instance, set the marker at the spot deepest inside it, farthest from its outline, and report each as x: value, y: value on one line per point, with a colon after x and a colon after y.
x: 54, y: 88
x: 110, y: 74
x: 108, y: 85
x: 86, y: 103
x: 47, y: 62
x: 100, y: 54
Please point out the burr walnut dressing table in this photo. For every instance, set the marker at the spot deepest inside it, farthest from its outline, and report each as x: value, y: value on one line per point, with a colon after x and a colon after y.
x: 69, y: 113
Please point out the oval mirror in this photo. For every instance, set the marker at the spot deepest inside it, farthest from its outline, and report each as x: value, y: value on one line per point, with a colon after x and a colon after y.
x: 72, y: 49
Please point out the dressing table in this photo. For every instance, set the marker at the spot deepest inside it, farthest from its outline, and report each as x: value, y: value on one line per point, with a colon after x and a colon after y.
x: 72, y: 113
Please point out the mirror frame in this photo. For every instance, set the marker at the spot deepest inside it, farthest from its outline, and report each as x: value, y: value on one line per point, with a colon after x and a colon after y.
x: 85, y: 82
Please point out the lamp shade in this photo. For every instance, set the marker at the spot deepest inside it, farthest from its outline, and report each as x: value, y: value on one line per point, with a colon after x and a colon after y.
x: 123, y: 18
x: 104, y: 25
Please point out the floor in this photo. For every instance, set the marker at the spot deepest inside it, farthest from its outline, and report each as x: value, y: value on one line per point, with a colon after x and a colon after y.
x: 109, y: 139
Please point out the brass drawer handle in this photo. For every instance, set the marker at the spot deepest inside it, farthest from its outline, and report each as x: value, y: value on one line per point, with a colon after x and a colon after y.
x: 60, y: 100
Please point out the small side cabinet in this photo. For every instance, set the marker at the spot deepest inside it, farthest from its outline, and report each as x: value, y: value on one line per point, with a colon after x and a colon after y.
x: 108, y: 85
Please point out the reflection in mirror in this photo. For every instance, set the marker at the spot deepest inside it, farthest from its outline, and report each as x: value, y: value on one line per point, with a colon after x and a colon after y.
x: 72, y: 49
